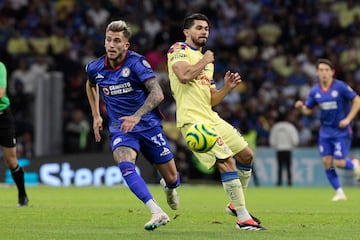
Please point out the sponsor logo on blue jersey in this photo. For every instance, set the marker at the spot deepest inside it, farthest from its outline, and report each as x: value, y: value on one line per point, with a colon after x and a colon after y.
x: 117, y: 89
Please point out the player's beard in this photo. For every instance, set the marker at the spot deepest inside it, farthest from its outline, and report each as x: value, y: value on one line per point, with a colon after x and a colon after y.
x: 199, y: 42
x: 118, y: 57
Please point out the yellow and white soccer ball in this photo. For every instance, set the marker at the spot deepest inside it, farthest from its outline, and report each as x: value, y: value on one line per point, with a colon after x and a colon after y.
x: 201, y: 137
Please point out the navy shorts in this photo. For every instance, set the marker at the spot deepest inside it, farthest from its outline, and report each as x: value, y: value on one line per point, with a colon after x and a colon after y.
x: 338, y: 147
x: 152, y: 143
x: 7, y: 129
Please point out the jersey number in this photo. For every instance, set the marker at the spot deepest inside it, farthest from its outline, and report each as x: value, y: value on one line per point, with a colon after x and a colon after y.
x: 158, y: 139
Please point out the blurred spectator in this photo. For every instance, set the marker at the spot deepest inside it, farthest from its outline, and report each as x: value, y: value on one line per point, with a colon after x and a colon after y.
x: 248, y: 51
x: 269, y: 31
x: 346, y: 10
x: 283, y: 63
x: 325, y: 14
x: 17, y: 46
x: 39, y: 42
x: 59, y: 42
x: 76, y: 133
x: 297, y: 78
x: 98, y: 14
x: 152, y: 25
x: 20, y: 102
x: 22, y: 75
x: 284, y: 138
x: 157, y: 58
x: 25, y: 145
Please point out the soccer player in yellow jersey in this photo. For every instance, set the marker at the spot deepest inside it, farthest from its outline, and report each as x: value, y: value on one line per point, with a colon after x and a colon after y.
x: 191, y: 81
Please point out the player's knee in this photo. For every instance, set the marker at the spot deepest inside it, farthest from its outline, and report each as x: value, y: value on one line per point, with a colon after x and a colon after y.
x: 339, y: 163
x: 249, y: 159
x: 245, y: 158
x: 173, y: 181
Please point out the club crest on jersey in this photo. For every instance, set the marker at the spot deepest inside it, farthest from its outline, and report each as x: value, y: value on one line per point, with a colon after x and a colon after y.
x: 334, y: 93
x: 146, y: 63
x: 125, y: 72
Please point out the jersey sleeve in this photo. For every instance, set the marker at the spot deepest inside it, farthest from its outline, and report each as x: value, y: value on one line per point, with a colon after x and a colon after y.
x: 177, y: 53
x: 310, y: 101
x: 347, y: 91
x: 143, y: 70
x: 90, y: 73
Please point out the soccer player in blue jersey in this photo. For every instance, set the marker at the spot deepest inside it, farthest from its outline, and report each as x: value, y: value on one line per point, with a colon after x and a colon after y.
x: 193, y: 87
x: 129, y: 87
x: 338, y: 105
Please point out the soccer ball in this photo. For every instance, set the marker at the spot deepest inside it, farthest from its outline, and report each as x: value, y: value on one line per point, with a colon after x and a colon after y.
x: 201, y: 137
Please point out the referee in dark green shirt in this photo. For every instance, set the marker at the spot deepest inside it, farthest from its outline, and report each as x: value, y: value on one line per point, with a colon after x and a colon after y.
x: 8, y: 139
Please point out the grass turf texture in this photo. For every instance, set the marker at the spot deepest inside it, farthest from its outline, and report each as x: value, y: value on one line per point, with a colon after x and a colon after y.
x: 114, y: 213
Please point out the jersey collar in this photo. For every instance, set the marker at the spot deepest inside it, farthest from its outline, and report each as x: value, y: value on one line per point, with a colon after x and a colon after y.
x: 117, y: 66
x: 191, y: 47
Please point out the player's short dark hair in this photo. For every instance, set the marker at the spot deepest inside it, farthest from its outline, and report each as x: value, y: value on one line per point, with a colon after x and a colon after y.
x: 324, y: 61
x: 189, y: 20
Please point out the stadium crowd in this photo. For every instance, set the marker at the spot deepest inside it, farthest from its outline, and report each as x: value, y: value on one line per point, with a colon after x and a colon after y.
x: 274, y: 44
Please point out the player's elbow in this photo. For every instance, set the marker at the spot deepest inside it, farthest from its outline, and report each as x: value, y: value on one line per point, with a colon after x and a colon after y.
x: 159, y: 97
x: 356, y: 101
x: 184, y: 79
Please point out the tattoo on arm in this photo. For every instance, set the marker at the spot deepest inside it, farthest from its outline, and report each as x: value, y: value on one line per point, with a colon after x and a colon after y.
x: 154, y: 98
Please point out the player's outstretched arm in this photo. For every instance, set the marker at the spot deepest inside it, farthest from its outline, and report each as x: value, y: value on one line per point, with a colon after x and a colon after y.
x: 299, y: 105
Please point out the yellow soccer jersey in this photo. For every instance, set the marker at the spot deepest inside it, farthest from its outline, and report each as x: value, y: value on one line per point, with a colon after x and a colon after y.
x: 193, y: 99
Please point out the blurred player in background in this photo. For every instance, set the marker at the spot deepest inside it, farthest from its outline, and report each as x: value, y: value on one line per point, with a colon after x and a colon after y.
x: 191, y: 81
x: 132, y: 94
x: 8, y: 139
x: 338, y: 105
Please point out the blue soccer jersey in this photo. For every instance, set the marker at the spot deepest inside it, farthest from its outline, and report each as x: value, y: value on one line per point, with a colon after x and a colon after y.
x: 334, y: 104
x: 123, y: 90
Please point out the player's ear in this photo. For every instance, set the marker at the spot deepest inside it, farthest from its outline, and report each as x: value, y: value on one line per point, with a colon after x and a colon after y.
x: 127, y: 45
x: 186, y: 32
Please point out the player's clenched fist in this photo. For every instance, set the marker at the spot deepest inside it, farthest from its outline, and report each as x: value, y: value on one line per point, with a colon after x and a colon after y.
x: 209, y: 56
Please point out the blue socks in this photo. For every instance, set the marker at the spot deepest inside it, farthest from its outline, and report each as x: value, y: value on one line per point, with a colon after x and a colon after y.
x: 348, y: 164
x: 136, y: 184
x: 228, y: 176
x: 175, y: 184
x: 333, y: 178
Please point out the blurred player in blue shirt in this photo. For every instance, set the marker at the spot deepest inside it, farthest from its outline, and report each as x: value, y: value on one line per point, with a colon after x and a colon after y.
x: 129, y: 87
x: 338, y: 105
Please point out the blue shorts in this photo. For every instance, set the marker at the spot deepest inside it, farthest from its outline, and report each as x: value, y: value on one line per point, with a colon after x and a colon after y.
x: 152, y: 143
x: 337, y: 147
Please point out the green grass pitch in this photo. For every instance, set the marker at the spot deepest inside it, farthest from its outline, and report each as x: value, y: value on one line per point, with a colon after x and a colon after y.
x: 114, y: 213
